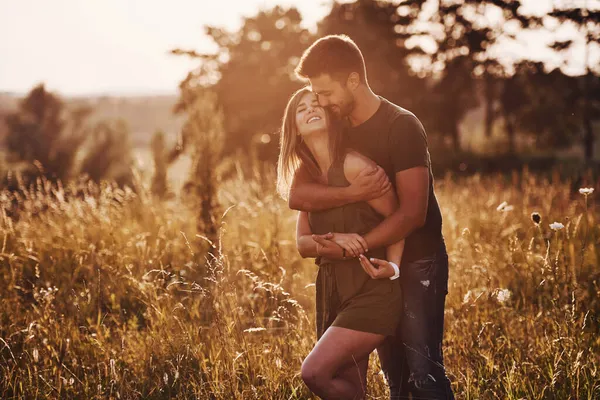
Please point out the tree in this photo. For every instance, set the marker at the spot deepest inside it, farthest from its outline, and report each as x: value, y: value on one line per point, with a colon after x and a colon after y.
x: 587, y: 21
x: 163, y: 157
x: 540, y: 103
x: 381, y: 29
x: 41, y: 134
x: 108, y: 153
x: 203, y: 134
x: 252, y: 75
x: 464, y: 34
x: 49, y: 139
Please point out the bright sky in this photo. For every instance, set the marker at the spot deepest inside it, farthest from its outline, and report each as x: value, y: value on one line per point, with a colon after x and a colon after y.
x: 80, y: 47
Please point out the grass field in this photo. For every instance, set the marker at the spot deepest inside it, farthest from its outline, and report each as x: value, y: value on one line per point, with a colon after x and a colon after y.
x: 116, y: 295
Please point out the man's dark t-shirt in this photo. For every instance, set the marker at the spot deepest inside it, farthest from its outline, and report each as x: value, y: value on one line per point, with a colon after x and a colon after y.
x: 395, y: 139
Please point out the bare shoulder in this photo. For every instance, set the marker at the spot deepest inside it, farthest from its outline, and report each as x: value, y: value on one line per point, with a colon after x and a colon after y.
x: 355, y: 162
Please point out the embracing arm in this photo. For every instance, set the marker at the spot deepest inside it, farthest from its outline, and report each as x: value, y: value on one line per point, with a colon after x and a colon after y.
x: 386, y: 205
x: 412, y: 186
x: 407, y: 142
x: 307, y: 195
x: 306, y: 245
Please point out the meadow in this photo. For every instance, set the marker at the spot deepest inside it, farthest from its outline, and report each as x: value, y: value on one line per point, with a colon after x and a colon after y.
x: 114, y: 294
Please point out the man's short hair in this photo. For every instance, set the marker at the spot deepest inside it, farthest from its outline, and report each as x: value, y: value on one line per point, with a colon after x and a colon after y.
x: 335, y: 55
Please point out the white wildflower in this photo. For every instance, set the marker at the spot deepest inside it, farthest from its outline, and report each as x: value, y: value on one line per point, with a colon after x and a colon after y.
x: 467, y: 297
x: 503, y: 295
x: 556, y: 226
x: 505, y: 207
x: 255, y: 329
x: 36, y: 355
x: 586, y: 191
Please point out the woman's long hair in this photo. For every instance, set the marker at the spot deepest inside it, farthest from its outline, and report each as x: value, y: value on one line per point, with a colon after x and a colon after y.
x: 293, y: 152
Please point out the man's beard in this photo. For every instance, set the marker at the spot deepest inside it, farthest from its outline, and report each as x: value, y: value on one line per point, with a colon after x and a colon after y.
x: 343, y: 110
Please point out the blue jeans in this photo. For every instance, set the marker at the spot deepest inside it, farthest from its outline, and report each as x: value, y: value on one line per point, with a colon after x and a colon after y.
x: 416, y: 362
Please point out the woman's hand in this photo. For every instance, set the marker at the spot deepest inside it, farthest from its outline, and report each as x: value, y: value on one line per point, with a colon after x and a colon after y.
x: 385, y: 269
x: 353, y: 243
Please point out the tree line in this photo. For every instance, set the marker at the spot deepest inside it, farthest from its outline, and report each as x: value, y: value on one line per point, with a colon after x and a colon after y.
x: 434, y: 58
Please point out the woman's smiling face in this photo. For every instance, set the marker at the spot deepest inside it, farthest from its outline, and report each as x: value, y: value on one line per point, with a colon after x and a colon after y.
x: 310, y: 116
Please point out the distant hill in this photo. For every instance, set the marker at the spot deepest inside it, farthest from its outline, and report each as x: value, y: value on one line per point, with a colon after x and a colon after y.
x: 144, y: 114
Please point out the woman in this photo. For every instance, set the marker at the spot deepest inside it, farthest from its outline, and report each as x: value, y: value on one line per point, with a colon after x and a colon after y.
x: 354, y: 312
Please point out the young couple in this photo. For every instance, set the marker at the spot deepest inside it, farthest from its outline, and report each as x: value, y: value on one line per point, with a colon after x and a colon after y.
x: 357, y: 169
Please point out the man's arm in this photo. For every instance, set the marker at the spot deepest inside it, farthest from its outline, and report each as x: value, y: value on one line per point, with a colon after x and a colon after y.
x: 412, y: 186
x: 307, y: 195
x: 309, y: 247
x: 410, y: 158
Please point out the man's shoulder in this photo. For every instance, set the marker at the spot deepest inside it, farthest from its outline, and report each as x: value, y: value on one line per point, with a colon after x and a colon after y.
x: 394, y: 112
x: 404, y: 123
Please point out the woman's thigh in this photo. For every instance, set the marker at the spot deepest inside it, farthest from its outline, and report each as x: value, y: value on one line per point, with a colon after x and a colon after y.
x: 341, y: 348
x: 357, y: 374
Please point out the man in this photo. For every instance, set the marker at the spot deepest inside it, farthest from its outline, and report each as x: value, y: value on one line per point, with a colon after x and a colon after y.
x: 395, y: 139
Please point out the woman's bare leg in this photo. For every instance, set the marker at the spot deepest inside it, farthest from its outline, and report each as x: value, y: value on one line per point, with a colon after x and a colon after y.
x: 357, y: 375
x: 323, y: 370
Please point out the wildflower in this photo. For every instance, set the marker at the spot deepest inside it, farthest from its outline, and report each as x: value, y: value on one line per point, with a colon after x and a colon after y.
x: 467, y: 297
x: 586, y: 191
x: 505, y: 207
x: 255, y: 329
x: 36, y: 355
x: 556, y: 226
x: 536, y: 217
x: 503, y: 295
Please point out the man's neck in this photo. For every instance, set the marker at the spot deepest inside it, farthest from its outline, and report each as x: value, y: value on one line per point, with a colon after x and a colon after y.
x: 365, y: 106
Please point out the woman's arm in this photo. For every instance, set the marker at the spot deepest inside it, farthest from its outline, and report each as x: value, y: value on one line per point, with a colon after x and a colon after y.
x: 307, y: 247
x: 385, y: 204
x: 304, y: 242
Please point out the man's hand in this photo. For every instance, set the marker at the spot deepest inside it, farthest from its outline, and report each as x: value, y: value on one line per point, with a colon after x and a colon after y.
x: 384, y: 270
x: 353, y: 243
x: 370, y: 183
x: 327, y: 248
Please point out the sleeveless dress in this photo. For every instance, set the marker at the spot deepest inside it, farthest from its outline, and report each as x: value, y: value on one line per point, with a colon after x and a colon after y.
x: 346, y: 296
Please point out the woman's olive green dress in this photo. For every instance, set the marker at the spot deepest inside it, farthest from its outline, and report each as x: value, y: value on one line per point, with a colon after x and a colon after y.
x: 346, y: 296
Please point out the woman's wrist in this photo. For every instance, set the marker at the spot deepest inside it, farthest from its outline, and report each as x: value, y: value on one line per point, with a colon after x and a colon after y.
x: 396, y: 270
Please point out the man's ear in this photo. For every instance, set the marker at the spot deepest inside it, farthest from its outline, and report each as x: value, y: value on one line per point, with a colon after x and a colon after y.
x: 353, y: 81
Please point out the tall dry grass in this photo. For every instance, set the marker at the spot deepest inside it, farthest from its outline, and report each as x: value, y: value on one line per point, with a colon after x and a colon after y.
x: 111, y: 294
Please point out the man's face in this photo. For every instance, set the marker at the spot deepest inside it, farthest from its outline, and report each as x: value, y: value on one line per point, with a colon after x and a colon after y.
x: 333, y: 95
